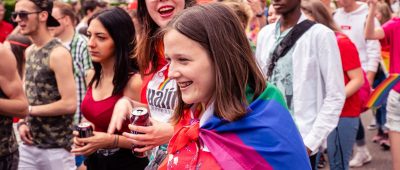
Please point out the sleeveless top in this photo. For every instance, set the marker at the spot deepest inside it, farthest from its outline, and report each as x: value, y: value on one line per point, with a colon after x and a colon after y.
x: 8, y: 142
x: 100, y: 112
x: 41, y: 88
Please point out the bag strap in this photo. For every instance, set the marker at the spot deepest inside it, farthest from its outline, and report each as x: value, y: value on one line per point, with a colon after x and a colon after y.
x: 287, y: 43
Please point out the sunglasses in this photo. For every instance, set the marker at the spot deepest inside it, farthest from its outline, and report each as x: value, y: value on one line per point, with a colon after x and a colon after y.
x: 22, y: 15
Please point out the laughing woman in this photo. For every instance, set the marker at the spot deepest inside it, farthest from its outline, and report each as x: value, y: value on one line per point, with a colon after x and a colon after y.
x: 111, y: 43
x: 158, y: 92
x: 226, y: 117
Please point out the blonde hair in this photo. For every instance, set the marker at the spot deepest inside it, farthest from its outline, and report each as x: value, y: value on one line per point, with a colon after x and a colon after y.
x: 242, y: 10
x: 385, y: 10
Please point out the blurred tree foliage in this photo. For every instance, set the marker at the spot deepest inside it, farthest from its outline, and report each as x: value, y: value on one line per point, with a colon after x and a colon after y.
x: 9, y: 6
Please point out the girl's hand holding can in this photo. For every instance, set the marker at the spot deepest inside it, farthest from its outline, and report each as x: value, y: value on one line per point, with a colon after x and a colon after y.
x: 157, y: 133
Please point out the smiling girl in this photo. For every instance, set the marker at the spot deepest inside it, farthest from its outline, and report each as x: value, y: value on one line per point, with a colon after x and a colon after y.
x: 158, y: 91
x: 226, y: 117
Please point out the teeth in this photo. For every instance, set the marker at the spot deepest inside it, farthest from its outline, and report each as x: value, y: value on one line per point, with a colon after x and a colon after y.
x: 165, y: 9
x: 185, y: 84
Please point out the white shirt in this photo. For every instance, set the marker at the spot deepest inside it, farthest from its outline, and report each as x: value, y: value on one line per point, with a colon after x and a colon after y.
x: 318, y: 85
x: 352, y: 24
x: 395, y: 6
x: 161, y: 95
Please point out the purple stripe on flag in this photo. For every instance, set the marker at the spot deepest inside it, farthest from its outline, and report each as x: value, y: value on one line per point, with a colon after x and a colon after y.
x: 225, y: 149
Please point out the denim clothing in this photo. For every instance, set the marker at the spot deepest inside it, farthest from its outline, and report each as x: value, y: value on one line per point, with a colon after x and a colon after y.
x: 360, y: 137
x: 380, y: 113
x: 340, y: 143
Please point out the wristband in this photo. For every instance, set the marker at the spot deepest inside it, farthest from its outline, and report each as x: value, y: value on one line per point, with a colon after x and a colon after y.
x: 115, y: 143
x: 29, y: 109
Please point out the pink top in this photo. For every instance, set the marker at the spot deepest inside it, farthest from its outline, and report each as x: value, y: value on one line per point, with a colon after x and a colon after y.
x: 392, y: 34
x: 99, y: 112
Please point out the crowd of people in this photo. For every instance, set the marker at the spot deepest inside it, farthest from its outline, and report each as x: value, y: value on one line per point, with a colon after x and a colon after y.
x: 233, y: 84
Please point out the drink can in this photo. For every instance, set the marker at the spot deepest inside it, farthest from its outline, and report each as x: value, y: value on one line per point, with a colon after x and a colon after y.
x: 85, y: 130
x: 139, y: 117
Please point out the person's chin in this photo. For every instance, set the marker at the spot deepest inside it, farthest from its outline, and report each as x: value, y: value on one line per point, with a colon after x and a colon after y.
x: 188, y: 100
x: 163, y: 23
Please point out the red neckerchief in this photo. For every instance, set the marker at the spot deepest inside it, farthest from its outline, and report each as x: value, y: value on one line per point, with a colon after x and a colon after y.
x: 188, y: 133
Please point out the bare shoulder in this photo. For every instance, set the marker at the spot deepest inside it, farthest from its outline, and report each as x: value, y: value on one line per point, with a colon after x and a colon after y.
x: 60, y: 59
x: 134, y: 87
x: 135, y: 81
x: 60, y: 52
x: 8, y: 62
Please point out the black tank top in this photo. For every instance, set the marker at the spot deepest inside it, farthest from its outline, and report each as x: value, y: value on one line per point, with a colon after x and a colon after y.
x: 41, y: 88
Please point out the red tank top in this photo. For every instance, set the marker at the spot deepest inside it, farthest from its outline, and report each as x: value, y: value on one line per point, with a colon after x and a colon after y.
x: 99, y: 112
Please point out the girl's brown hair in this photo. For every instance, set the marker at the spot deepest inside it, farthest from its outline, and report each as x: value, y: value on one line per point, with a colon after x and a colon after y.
x: 242, y: 10
x: 318, y: 11
x: 230, y: 52
x: 149, y: 47
x: 385, y: 11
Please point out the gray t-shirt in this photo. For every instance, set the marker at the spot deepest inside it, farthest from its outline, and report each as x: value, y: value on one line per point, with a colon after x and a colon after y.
x: 282, y: 75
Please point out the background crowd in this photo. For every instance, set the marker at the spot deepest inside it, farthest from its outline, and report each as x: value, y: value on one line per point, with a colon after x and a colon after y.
x: 245, y: 84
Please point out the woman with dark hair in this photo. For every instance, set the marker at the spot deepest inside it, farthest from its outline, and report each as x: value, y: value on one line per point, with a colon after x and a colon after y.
x: 158, y: 92
x: 18, y: 43
x: 342, y: 138
x: 111, y: 43
x: 227, y: 116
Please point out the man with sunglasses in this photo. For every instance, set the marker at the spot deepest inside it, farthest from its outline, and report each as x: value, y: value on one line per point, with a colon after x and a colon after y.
x: 50, y: 88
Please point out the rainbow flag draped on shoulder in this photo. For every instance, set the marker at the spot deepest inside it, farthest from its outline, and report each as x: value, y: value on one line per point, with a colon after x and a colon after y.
x: 266, y: 138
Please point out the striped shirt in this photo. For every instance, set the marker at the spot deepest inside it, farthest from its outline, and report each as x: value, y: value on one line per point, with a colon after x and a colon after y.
x: 82, y: 62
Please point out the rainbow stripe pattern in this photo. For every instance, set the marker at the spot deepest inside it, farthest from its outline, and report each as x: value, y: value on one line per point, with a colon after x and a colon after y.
x: 163, y: 84
x: 266, y: 138
x: 380, y: 94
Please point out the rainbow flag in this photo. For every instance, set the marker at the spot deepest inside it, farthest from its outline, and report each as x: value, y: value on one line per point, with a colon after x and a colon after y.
x: 379, y: 95
x: 266, y: 138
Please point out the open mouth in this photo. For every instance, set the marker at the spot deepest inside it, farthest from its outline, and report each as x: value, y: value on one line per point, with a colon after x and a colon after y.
x: 183, y: 85
x: 166, y: 11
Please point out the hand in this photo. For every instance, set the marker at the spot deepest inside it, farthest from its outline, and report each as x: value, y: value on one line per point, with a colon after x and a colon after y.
x: 77, y: 144
x: 86, y: 146
x: 157, y: 134
x: 256, y: 6
x: 121, y: 112
x: 25, y: 134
